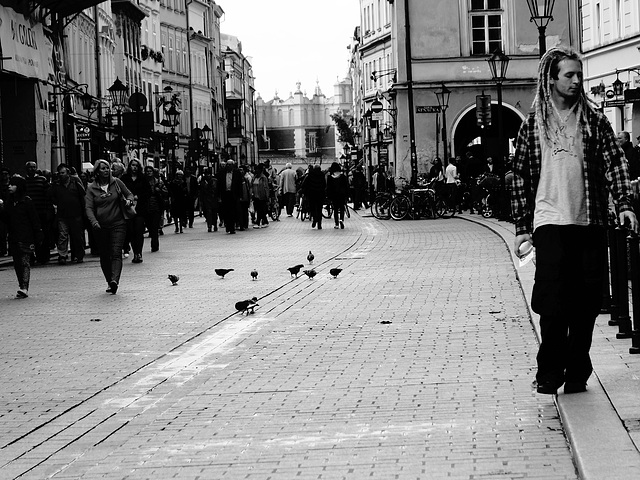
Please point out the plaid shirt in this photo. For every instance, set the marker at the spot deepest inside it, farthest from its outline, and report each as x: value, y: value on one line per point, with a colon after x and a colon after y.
x: 605, y: 169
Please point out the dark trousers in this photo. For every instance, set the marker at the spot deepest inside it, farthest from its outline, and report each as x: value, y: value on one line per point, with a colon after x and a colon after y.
x: 260, y: 207
x: 3, y: 239
x: 71, y: 231
x: 135, y: 233
x: 152, y: 222
x: 567, y: 293
x: 110, y: 242
x: 211, y: 217
x: 190, y: 211
x: 43, y: 250
x: 229, y: 209
x: 289, y: 202
x: 315, y: 209
x: 22, y: 267
x: 243, y: 220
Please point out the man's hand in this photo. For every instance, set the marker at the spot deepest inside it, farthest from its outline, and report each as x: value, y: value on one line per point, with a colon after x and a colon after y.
x: 520, y: 239
x: 628, y: 219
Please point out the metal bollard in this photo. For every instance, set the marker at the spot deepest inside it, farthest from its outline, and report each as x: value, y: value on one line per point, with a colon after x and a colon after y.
x: 624, y: 321
x: 613, y: 265
x: 634, y: 258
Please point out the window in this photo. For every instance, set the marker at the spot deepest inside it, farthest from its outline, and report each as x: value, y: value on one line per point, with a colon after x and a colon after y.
x: 170, y: 58
x: 312, y: 145
x: 486, y: 26
x: 234, y: 117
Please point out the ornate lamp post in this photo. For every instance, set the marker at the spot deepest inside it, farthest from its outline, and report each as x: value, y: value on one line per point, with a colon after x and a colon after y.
x: 206, y: 132
x: 498, y: 63
x: 442, y: 96
x: 541, y: 14
x: 119, y: 94
x: 171, y: 119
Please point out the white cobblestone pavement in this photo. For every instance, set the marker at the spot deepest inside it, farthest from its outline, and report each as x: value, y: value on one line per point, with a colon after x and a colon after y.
x: 415, y: 363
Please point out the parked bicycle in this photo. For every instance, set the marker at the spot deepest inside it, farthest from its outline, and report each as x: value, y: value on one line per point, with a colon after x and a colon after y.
x: 417, y: 203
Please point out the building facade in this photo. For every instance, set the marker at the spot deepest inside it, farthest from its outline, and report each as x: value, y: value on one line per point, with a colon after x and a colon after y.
x: 611, y: 47
x: 449, y: 44
x: 299, y: 129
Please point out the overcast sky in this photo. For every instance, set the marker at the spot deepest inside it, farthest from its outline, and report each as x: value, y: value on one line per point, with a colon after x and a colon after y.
x: 293, y: 40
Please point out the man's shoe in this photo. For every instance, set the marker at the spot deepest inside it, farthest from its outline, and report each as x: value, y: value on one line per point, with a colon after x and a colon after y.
x: 137, y: 259
x: 22, y: 293
x: 313, y: 224
x: 125, y: 255
x: 62, y: 260
x: 79, y: 260
x: 341, y: 225
x: 575, y: 387
x: 256, y: 226
x: 547, y: 388
x: 113, y: 287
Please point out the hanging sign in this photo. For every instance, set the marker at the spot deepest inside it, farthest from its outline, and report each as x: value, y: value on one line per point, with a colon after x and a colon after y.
x: 25, y: 47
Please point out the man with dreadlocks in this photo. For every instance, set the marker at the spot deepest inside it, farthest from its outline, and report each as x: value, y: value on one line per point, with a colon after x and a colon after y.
x: 566, y: 161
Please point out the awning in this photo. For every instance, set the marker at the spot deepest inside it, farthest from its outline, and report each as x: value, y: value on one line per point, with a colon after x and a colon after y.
x: 65, y: 8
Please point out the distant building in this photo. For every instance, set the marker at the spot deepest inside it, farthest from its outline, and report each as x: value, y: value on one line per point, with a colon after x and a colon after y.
x: 300, y: 129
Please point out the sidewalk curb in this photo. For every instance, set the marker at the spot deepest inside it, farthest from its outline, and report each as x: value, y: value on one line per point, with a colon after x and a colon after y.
x: 601, y: 446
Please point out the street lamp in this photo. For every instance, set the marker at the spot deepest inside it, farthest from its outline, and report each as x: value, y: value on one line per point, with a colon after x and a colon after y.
x: 498, y: 63
x: 541, y: 14
x: 171, y: 119
x: 119, y: 94
x: 442, y: 96
x: 206, y: 132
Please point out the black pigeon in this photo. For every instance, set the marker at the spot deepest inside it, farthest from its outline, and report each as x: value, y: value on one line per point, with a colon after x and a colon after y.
x: 174, y: 279
x: 295, y: 270
x: 310, y: 257
x: 221, y: 272
x: 310, y: 273
x: 335, y: 272
x: 254, y: 274
x: 247, y: 306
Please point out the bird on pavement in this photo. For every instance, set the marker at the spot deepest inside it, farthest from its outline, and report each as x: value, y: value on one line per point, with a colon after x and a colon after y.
x: 310, y: 273
x: 335, y: 272
x: 254, y: 274
x: 295, y: 270
x: 310, y: 257
x: 221, y: 272
x: 247, y: 306
x: 174, y: 279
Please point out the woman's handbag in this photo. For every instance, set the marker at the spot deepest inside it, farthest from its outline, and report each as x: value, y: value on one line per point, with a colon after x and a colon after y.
x: 129, y: 211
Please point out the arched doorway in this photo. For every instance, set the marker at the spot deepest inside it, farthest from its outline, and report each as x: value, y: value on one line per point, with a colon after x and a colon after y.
x: 484, y: 142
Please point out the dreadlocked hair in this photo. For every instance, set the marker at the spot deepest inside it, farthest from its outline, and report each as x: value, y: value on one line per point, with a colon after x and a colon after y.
x: 542, y: 103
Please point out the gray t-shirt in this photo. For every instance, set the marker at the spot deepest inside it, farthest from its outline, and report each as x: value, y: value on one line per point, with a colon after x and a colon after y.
x: 561, y: 196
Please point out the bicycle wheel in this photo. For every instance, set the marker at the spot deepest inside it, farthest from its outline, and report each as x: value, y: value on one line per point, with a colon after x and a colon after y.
x: 440, y: 208
x: 400, y: 207
x: 380, y: 207
x: 487, y: 211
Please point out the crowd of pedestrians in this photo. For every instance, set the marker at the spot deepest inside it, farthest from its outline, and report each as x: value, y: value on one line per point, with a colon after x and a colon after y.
x: 112, y: 209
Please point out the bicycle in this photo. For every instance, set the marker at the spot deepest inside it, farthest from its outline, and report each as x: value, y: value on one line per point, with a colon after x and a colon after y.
x: 302, y: 208
x: 380, y: 206
x: 417, y: 202
x: 327, y: 210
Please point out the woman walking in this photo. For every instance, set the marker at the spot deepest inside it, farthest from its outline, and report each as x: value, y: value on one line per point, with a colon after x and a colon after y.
x: 25, y: 232
x: 179, y: 201
x: 260, y: 196
x: 104, y: 207
x: 139, y: 186
x: 209, y: 197
x: 155, y: 207
x: 337, y: 193
x: 314, y: 188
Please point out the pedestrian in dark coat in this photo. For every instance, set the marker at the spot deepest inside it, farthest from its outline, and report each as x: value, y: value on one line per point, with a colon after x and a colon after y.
x: 138, y: 184
x: 67, y: 194
x: 314, y: 188
x: 230, y: 186
x: 209, y: 197
x: 155, y: 208
x: 38, y: 191
x: 260, y: 196
x: 191, y: 183
x: 337, y: 193
x: 359, y: 183
x: 25, y: 233
x: 179, y: 201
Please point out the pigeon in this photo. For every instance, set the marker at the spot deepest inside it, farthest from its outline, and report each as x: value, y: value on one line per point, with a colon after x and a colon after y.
x: 295, y: 270
x: 310, y: 273
x: 335, y: 272
x: 254, y: 274
x: 221, y: 272
x: 310, y: 257
x: 174, y: 279
x: 247, y: 306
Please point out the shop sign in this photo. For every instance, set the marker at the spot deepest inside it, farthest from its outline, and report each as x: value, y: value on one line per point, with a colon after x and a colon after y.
x: 632, y: 95
x: 83, y: 133
x: 428, y: 109
x: 25, y: 48
x: 614, y: 103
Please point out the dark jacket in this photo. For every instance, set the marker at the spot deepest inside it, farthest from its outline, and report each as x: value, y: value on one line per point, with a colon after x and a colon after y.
x: 69, y: 198
x: 315, y: 184
x: 141, y: 189
x: 337, y: 188
x: 236, y: 184
x: 38, y: 191
x: 23, y: 222
x: 179, y: 197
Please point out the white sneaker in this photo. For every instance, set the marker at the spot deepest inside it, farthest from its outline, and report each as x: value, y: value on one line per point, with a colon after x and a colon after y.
x: 256, y: 226
x: 125, y: 255
x: 265, y: 225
